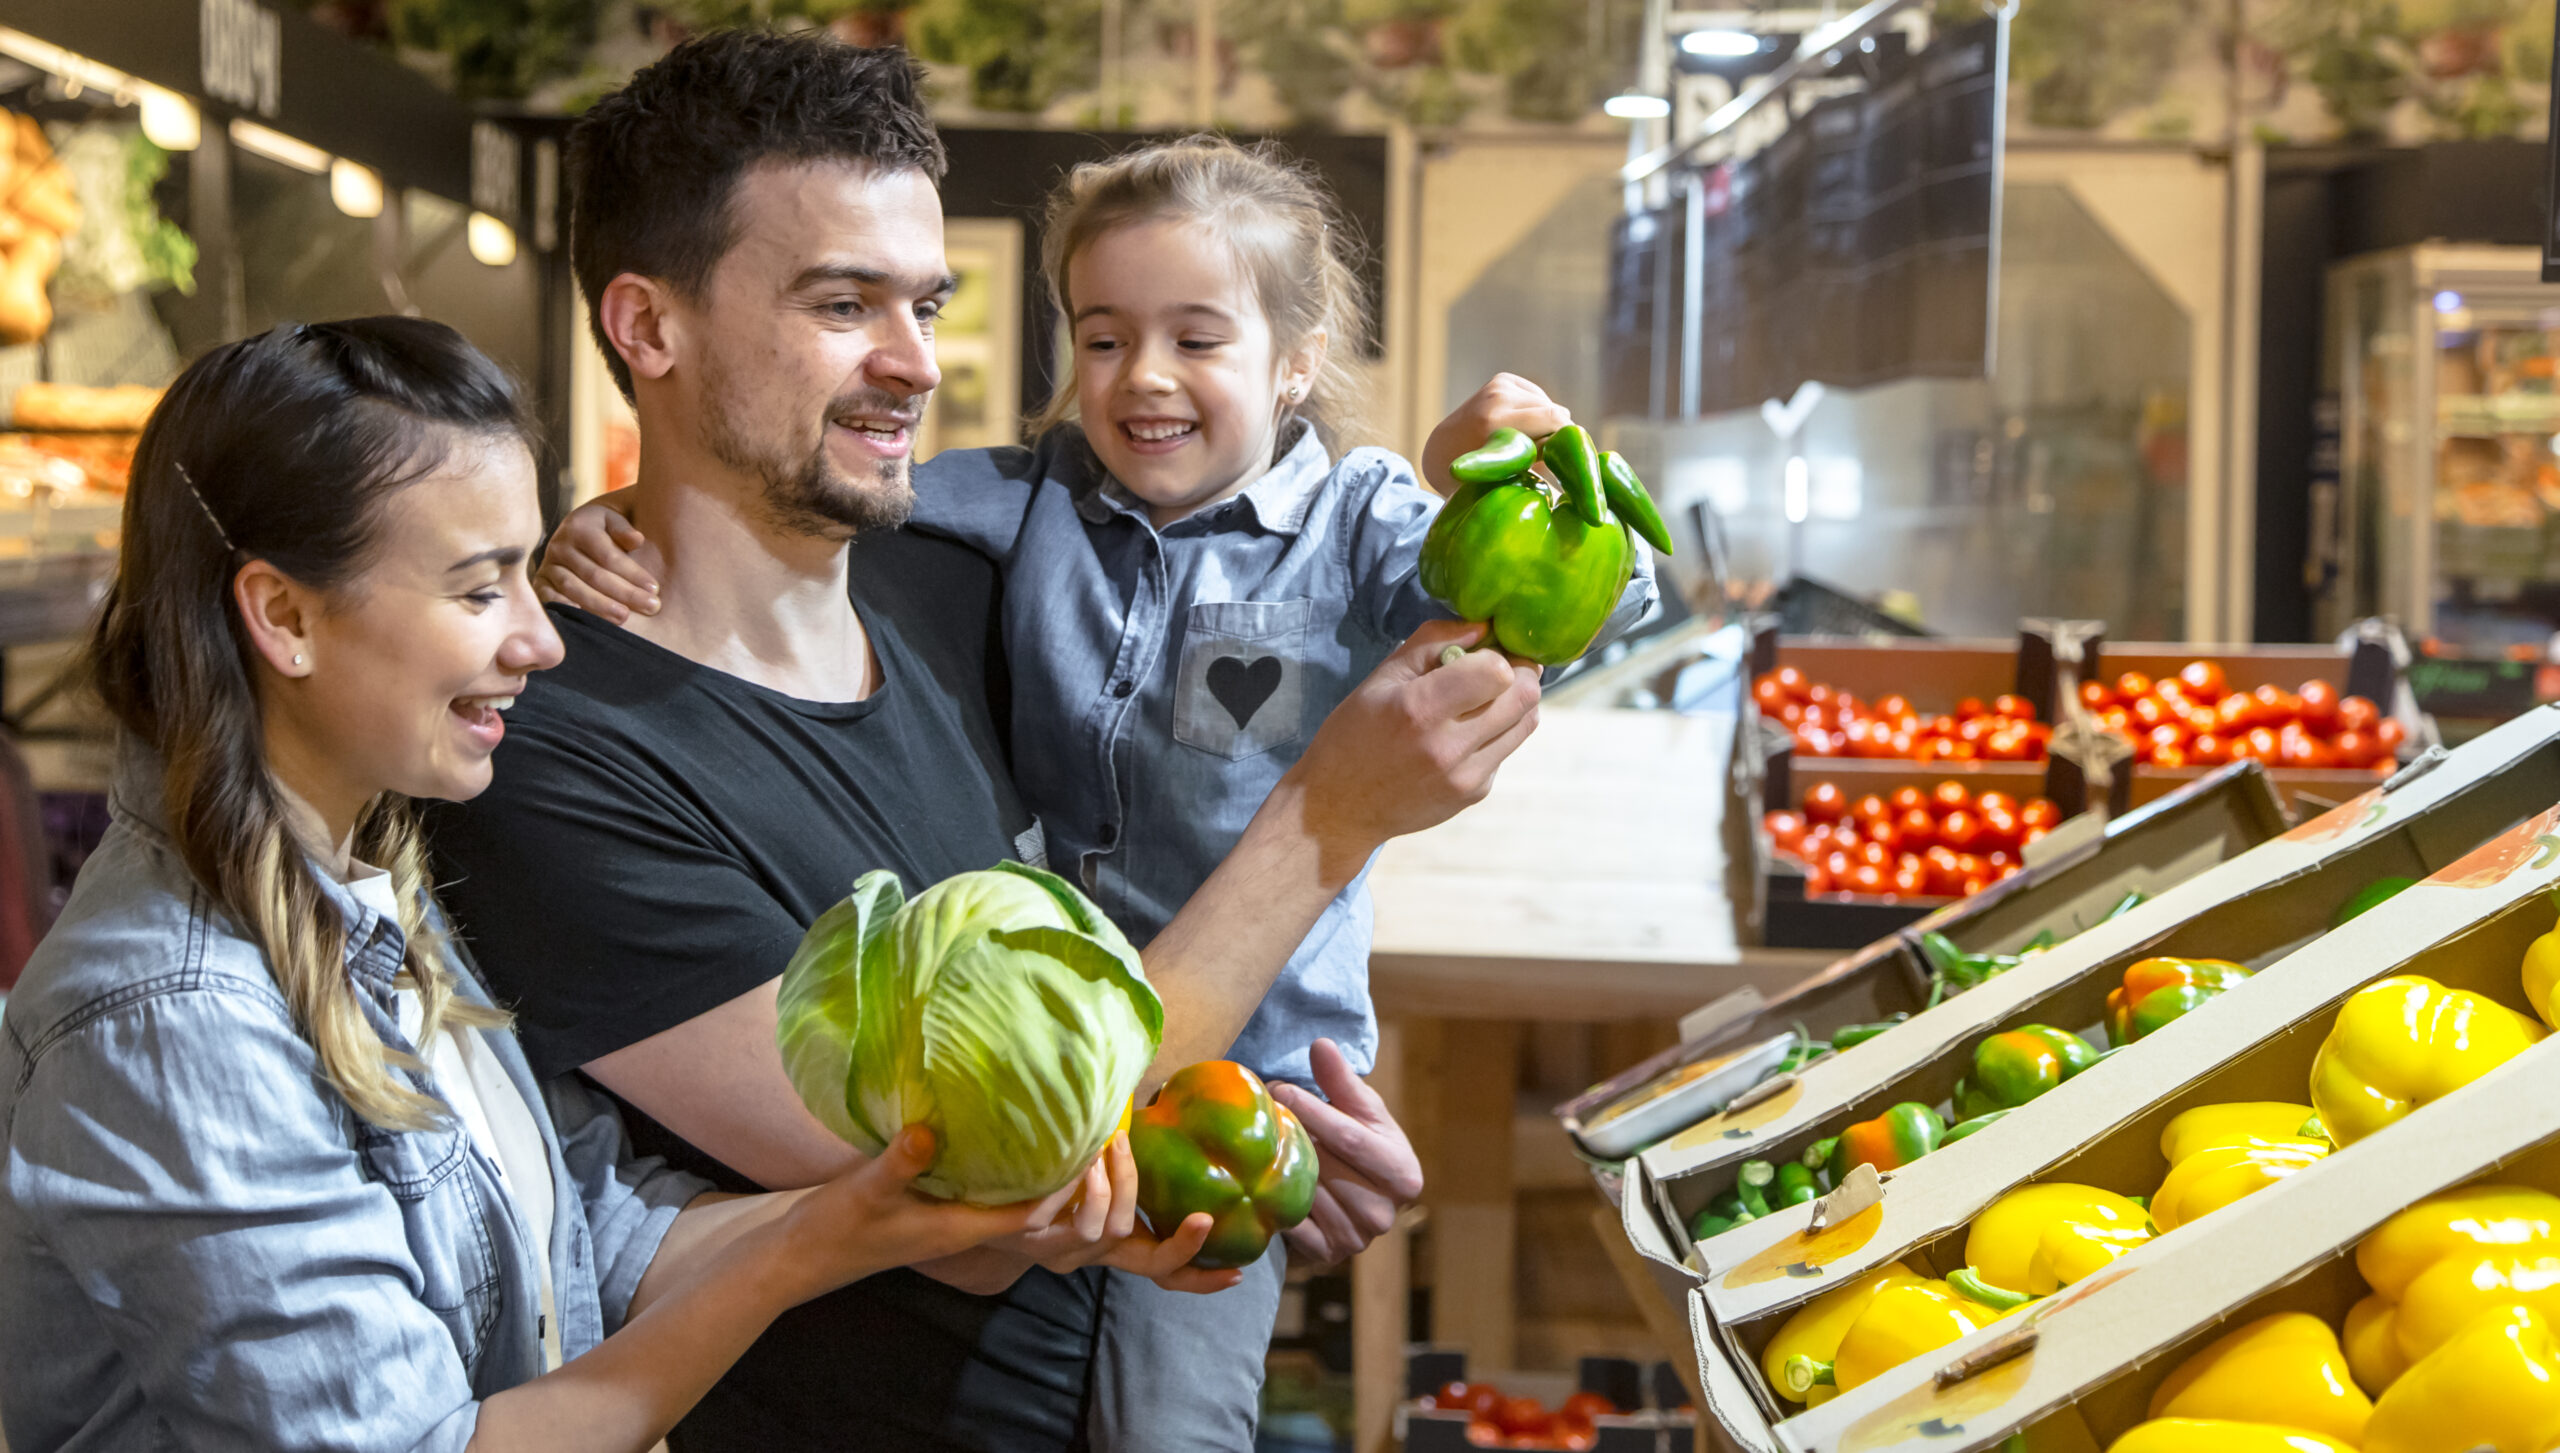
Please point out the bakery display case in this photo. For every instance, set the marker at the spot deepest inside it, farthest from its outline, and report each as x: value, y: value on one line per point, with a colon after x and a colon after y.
x: 2445, y: 363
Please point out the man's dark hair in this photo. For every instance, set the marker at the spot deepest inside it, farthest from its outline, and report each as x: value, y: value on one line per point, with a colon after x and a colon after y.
x: 652, y: 167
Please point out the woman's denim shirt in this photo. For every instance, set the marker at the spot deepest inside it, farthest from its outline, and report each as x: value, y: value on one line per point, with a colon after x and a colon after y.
x: 202, y: 1246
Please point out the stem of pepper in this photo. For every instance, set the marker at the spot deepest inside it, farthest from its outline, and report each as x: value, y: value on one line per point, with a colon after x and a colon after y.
x: 1803, y: 1374
x: 1974, y: 1288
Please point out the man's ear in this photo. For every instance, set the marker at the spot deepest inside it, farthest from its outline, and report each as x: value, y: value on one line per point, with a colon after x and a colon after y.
x: 280, y: 613
x: 638, y: 319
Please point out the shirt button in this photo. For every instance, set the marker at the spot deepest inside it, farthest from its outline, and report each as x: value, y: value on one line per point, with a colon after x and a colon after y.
x: 1110, y: 833
x: 1123, y: 687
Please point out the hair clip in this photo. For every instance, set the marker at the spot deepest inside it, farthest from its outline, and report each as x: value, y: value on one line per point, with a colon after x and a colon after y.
x: 210, y: 517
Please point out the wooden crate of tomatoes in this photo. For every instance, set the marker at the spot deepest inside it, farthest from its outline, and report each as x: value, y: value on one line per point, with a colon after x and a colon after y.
x: 2317, y: 741
x: 1946, y: 841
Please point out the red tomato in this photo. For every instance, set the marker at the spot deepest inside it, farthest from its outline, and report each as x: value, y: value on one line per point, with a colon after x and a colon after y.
x: 1839, y: 863
x: 1853, y: 740
x: 1960, y: 830
x: 2171, y: 691
x: 1870, y: 879
x: 1452, y: 1396
x: 1793, y: 680
x: 1894, y: 705
x: 1904, y: 745
x: 1886, y: 833
x: 2168, y: 734
x: 2017, y: 708
x: 2388, y: 733
x: 2204, y: 679
x: 2355, y: 748
x: 1946, y: 871
x: 1813, y: 741
x: 2208, y: 749
x: 2167, y: 755
x: 1995, y: 801
x: 1870, y: 808
x: 1999, y: 863
x: 1875, y: 854
x: 2262, y: 743
x: 1906, y: 798
x: 1584, y: 1406
x: 2097, y: 695
x: 2133, y: 686
x: 2013, y: 870
x: 1847, y: 704
x: 2236, y: 713
x: 1478, y: 1398
x: 2150, y: 712
x: 1818, y: 694
x: 1791, y: 714
x: 1950, y: 796
x: 1975, y: 730
x: 2320, y: 706
x: 1768, y: 695
x: 1521, y: 1415
x: 2001, y: 831
x: 1940, y: 726
x: 2118, y: 720
x: 1974, y: 884
x: 1817, y: 881
x: 2357, y: 714
x: 2040, y: 812
x: 2009, y: 746
x: 1969, y: 708
x: 1786, y: 829
x: 1821, y: 715
x: 2276, y: 706
x: 1484, y: 1433
x: 2297, y: 747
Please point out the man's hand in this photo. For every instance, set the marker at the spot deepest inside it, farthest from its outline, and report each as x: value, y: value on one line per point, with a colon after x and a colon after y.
x: 1507, y: 402
x: 1366, y: 1170
x: 1100, y: 1225
x: 1413, y: 745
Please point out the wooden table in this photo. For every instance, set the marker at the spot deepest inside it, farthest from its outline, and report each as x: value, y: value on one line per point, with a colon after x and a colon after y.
x: 1588, y: 887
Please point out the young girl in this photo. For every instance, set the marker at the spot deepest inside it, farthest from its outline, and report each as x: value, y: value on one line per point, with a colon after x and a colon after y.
x: 1192, y: 582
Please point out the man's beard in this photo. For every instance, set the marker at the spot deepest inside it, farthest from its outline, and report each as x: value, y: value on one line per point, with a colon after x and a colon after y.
x: 811, y: 495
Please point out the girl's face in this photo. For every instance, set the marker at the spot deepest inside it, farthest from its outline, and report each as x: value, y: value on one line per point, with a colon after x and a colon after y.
x: 406, y: 668
x: 1179, y: 381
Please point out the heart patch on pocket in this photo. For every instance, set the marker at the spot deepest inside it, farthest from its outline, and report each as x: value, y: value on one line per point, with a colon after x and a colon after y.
x: 1242, y: 688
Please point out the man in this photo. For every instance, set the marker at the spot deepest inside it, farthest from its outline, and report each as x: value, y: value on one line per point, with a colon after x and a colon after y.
x: 757, y: 232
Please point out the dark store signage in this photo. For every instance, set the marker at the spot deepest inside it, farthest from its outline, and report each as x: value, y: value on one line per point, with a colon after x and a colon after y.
x: 243, y: 54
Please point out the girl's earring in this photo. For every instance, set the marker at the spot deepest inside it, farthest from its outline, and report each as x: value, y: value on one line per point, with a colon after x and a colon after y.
x: 297, y: 658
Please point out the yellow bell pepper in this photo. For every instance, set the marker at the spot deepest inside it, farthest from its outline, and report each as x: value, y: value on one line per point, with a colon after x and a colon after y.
x: 2486, y: 1238
x: 2208, y: 1435
x: 2542, y: 974
x: 2038, y: 1239
x: 2218, y: 1175
x: 1900, y: 1317
x: 1813, y: 1333
x: 2403, y: 1041
x: 2249, y: 1122
x: 2286, y: 1369
x: 2495, y: 1385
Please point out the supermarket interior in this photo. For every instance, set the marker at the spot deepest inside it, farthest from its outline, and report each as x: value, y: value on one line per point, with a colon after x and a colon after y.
x: 2071, y: 763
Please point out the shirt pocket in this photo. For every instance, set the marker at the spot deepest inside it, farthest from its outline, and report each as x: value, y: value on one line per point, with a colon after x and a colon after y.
x: 1242, y: 689
x: 429, y: 1173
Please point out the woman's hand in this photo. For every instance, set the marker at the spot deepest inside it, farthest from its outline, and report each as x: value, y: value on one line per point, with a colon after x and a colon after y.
x: 1100, y: 1225
x: 590, y: 562
x: 1366, y: 1171
x: 870, y: 1218
x: 1508, y: 401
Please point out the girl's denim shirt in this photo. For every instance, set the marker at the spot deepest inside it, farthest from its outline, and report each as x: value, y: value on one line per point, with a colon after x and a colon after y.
x: 1163, y: 680
x: 202, y: 1246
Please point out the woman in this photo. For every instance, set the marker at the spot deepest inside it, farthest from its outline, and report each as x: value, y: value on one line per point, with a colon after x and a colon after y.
x: 275, y: 1174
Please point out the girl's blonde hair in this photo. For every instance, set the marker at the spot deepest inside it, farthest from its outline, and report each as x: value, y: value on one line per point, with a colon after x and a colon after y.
x: 1285, y: 227
x: 287, y: 448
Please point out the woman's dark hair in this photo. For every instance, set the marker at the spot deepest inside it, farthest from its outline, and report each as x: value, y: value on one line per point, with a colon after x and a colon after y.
x: 652, y: 166
x: 284, y: 448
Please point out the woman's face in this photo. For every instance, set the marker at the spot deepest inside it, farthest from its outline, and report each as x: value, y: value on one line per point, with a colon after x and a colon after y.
x: 410, y: 664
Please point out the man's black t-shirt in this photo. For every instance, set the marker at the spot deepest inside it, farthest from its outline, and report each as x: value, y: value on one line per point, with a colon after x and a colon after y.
x: 657, y: 838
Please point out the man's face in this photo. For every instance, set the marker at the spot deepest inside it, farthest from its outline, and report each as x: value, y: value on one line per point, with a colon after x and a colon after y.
x: 816, y: 340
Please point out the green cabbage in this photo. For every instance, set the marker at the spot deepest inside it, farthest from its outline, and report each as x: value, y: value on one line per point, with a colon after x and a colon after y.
x: 1001, y: 1009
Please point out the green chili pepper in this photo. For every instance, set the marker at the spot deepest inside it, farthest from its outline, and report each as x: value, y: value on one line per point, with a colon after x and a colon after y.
x: 2017, y: 1065
x: 1857, y: 1034
x: 2043, y: 940
x: 1505, y: 453
x: 1795, y: 1185
x: 1963, y: 1128
x: 1575, y: 462
x: 1634, y: 504
x: 1748, y: 1182
x: 1728, y: 1204
x: 1818, y: 1154
x: 1709, y: 1225
x: 2125, y: 905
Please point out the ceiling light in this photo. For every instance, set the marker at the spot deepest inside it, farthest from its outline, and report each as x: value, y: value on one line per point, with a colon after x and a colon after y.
x: 1635, y: 106
x: 490, y: 240
x: 279, y: 148
x: 169, y: 120
x: 1728, y: 43
x: 356, y: 189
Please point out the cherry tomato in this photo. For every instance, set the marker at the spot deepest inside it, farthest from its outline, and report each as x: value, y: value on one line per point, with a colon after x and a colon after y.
x: 1870, y: 808
x: 1975, y: 730
x: 2262, y: 743
x: 1999, y: 863
x: 2389, y: 734
x: 2001, y: 832
x: 1847, y: 704
x: 2204, y: 678
x: 1886, y: 833
x: 2015, y: 707
x: 1820, y: 714
x: 1946, y: 871
x: 1893, y: 704
x: 1584, y: 1406
x: 2168, y: 734
x: 1910, y: 879
x: 1482, y: 1399
x: 1994, y: 800
x: 1969, y: 708
x: 1940, y: 726
x: 2320, y: 706
x: 2355, y: 748
x: 1817, y: 881
x: 1813, y: 741
x: 2009, y: 746
x: 1818, y: 694
x: 1768, y: 695
x: 2236, y: 713
x: 2097, y: 695
x: 1793, y: 680
x: 1786, y: 829
x: 2040, y: 812
x: 1839, y: 863
x: 2208, y: 749
x: 1949, y: 796
x: 2132, y: 686
x: 1904, y: 745
x: 1792, y: 714
x: 2276, y: 706
x: 2357, y: 714
x: 1874, y: 854
x: 1870, y: 879
x: 1826, y: 802
x: 1903, y: 799
x: 1974, y: 884
x: 1917, y: 829
x: 2149, y: 712
x: 2167, y: 755
x: 2118, y: 720
x: 1960, y: 830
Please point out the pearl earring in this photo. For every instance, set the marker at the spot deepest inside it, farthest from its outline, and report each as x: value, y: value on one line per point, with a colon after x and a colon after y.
x: 297, y: 658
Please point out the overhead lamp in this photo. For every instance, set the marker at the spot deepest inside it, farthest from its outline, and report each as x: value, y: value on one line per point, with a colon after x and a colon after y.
x: 491, y: 241
x: 1728, y: 44
x: 169, y: 120
x: 1636, y: 106
x: 356, y: 189
x: 279, y: 148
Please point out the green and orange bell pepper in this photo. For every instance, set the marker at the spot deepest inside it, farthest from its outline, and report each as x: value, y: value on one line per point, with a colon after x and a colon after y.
x: 2014, y: 1066
x: 1214, y: 1140
x: 1890, y: 1141
x: 2158, y: 990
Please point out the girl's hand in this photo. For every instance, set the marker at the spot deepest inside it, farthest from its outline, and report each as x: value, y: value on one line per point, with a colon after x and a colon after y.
x: 1508, y: 401
x: 869, y: 1219
x: 1100, y: 1225
x: 590, y: 563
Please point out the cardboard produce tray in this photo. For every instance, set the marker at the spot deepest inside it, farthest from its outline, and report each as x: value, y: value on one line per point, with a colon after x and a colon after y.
x: 2078, y: 1369
x: 2256, y: 909
x: 2151, y: 850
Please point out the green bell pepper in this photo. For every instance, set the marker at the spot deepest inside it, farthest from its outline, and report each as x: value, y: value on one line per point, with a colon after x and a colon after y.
x: 2015, y: 1066
x: 1214, y: 1140
x: 1890, y: 1141
x: 1963, y: 1128
x: 2372, y: 895
x: 1632, y: 501
x: 1851, y: 1035
x: 1572, y: 457
x: 1507, y: 452
x: 1545, y: 578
